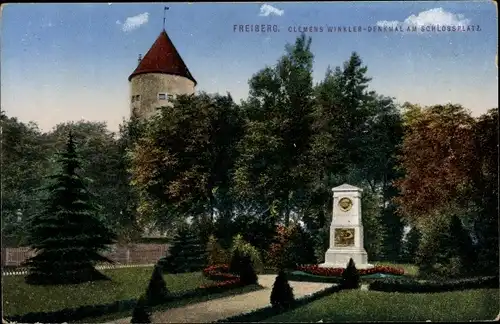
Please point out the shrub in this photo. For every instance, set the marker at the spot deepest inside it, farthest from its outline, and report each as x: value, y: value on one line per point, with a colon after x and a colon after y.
x: 299, y: 249
x: 282, y: 294
x: 337, y: 272
x: 350, y: 276
x: 216, y: 254
x: 245, y: 248
x: 219, y: 272
x: 141, y: 313
x: 413, y: 286
x: 235, y: 265
x: 157, y: 288
x: 186, y: 254
x: 247, y: 272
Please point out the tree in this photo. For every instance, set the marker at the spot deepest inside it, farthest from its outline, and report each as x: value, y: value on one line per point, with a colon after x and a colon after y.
x: 282, y: 294
x: 186, y: 254
x: 273, y: 164
x: 247, y: 271
x: 157, y: 288
x: 216, y: 254
x: 67, y: 234
x: 298, y: 249
x: 182, y: 164
x: 410, y: 245
x: 141, y: 312
x: 24, y: 165
x: 350, y: 276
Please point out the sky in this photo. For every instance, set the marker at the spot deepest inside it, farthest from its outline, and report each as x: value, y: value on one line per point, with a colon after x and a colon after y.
x: 67, y: 62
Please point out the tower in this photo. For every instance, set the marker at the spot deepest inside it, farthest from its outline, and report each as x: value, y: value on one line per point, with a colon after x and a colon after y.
x: 160, y: 75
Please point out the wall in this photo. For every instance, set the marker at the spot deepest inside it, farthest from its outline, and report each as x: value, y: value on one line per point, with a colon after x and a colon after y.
x: 148, y: 86
x: 130, y: 254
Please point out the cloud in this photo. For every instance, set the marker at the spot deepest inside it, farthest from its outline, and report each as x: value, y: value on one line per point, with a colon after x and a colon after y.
x: 268, y: 10
x: 436, y: 16
x: 134, y: 22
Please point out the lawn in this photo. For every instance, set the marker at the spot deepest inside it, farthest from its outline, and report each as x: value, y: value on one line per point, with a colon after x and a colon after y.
x: 411, y: 270
x: 20, y: 298
x: 364, y: 306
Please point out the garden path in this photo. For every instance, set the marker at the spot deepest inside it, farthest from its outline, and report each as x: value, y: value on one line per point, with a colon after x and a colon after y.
x: 217, y: 309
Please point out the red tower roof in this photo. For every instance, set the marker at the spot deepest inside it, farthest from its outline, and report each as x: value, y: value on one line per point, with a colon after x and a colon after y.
x: 162, y: 57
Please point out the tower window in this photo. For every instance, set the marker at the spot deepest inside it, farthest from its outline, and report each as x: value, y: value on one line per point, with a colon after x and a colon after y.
x: 162, y: 96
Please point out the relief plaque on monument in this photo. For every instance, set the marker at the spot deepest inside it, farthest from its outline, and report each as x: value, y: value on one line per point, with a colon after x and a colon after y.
x: 344, y: 237
x: 345, y: 204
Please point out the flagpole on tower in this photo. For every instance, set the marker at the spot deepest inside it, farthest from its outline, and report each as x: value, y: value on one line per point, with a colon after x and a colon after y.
x: 164, y: 15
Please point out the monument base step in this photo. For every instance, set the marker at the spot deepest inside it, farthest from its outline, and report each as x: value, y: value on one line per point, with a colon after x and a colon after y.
x: 333, y: 265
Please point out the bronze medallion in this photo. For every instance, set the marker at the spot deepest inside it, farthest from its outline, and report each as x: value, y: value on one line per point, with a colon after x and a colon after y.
x: 345, y: 204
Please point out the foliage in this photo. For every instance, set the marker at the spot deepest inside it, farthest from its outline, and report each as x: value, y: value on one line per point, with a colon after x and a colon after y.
x: 350, y: 276
x: 247, y: 271
x: 141, y: 313
x: 235, y: 264
x: 216, y: 254
x: 186, y: 254
x: 67, y: 234
x: 299, y: 249
x: 273, y: 164
x: 282, y: 293
x: 333, y: 272
x: 241, y: 247
x: 157, y: 288
x: 446, y: 250
x: 182, y: 165
x: 410, y: 245
x: 219, y: 272
x: 408, y: 286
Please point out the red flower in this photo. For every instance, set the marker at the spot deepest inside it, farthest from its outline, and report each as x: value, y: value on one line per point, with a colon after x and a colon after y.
x: 333, y: 272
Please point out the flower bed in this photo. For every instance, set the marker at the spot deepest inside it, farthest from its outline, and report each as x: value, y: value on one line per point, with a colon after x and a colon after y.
x: 219, y: 272
x: 336, y: 272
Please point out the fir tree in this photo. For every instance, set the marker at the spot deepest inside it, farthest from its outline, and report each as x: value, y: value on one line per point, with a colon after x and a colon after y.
x: 157, y: 288
x: 68, y: 234
x: 235, y: 265
x: 141, y: 313
x: 247, y: 271
x: 350, y: 276
x: 187, y: 253
x: 282, y: 294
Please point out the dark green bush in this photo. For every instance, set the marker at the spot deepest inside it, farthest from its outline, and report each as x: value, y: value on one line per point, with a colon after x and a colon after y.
x: 186, y: 254
x: 141, y: 312
x: 235, y: 264
x: 413, y: 286
x: 157, y: 288
x: 247, y: 271
x: 350, y: 276
x: 282, y: 294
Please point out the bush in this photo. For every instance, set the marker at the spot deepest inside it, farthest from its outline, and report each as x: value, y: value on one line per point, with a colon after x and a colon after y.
x: 413, y: 286
x: 299, y: 249
x: 350, y: 276
x: 235, y: 265
x: 219, y: 273
x: 186, y: 254
x: 216, y: 254
x: 245, y: 248
x: 157, y: 288
x: 141, y: 312
x: 282, y: 294
x: 247, y: 272
x: 337, y: 272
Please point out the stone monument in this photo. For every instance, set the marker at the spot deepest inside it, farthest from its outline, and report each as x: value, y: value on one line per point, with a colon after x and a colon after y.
x: 346, y: 230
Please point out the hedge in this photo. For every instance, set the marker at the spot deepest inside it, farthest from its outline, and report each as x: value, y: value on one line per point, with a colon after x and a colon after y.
x: 266, y: 312
x: 80, y: 313
x: 413, y: 286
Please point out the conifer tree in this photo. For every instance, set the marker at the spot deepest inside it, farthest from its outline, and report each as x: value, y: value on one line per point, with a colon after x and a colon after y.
x: 247, y: 271
x: 282, y: 293
x: 67, y: 234
x: 350, y: 276
x: 140, y: 313
x: 187, y: 253
x: 157, y: 288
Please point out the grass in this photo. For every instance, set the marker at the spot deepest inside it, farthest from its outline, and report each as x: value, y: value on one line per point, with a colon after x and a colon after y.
x: 129, y: 283
x: 174, y: 304
x: 364, y: 306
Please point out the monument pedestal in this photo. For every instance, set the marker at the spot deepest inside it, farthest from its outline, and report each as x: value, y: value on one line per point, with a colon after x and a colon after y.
x: 338, y: 258
x: 346, y: 230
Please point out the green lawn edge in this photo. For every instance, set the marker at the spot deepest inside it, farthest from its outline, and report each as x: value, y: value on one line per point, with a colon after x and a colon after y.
x: 174, y: 304
x: 268, y: 311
